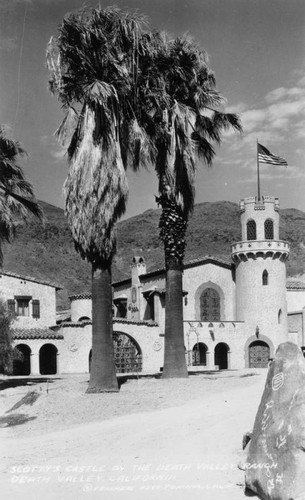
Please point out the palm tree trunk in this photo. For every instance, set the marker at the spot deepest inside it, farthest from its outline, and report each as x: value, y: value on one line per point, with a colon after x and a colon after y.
x: 174, y: 350
x: 103, y: 375
x: 172, y: 226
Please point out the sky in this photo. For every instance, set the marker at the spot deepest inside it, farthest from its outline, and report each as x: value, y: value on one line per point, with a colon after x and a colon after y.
x: 256, y: 49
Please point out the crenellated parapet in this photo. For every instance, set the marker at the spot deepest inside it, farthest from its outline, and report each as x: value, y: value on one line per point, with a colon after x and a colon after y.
x: 274, y: 249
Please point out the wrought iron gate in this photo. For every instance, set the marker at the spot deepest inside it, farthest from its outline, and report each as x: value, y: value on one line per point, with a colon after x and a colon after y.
x: 259, y: 354
x: 127, y: 354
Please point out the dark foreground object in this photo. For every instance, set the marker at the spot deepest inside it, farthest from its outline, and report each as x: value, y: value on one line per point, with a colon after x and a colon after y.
x: 275, y: 468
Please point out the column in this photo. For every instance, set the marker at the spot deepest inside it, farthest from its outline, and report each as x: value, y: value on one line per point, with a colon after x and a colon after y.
x: 229, y: 360
x: 35, y: 363
x: 208, y: 360
x: 57, y: 363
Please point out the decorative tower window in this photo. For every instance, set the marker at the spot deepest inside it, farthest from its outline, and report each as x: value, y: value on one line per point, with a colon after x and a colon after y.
x: 251, y: 230
x: 265, y: 277
x: 279, y: 316
x: 269, y: 233
x: 210, y: 305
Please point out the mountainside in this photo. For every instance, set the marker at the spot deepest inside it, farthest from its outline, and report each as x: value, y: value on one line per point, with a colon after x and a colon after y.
x: 47, y: 252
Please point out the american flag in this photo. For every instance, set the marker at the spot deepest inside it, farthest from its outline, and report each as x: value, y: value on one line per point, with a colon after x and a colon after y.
x: 264, y: 156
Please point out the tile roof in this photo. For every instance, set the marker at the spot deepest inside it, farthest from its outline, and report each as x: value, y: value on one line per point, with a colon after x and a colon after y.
x: 30, y: 278
x: 148, y: 322
x: 295, y: 285
x: 83, y: 323
x: 80, y: 296
x: 35, y: 333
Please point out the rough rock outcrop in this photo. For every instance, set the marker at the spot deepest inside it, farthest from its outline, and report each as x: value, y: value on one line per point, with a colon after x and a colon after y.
x: 275, y: 468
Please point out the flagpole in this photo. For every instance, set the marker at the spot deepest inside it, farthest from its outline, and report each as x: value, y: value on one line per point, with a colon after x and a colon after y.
x: 258, y: 183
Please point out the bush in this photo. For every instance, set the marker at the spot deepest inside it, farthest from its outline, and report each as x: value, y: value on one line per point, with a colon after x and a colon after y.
x: 7, y: 352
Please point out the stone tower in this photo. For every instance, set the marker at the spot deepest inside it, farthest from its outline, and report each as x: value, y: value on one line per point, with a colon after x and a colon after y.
x: 260, y: 260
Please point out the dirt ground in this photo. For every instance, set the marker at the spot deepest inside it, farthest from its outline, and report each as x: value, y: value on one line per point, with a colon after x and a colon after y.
x: 165, y: 439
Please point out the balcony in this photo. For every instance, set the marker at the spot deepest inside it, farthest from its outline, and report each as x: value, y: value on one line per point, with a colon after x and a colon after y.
x: 243, y: 250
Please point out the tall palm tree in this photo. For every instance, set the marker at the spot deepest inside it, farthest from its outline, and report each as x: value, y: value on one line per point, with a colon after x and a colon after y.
x: 17, y: 200
x: 93, y: 65
x: 189, y: 126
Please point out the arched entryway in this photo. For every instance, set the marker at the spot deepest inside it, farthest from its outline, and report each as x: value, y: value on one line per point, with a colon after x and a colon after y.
x: 259, y: 354
x: 221, y: 356
x: 199, y: 354
x: 48, y: 359
x: 22, y: 366
x: 127, y: 354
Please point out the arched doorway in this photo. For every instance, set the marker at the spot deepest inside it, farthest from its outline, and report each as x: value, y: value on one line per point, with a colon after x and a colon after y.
x: 200, y: 354
x: 259, y: 354
x: 127, y: 353
x: 221, y: 356
x: 23, y: 366
x: 48, y: 359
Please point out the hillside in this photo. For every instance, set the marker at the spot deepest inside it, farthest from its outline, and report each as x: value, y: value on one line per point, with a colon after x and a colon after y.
x: 47, y: 252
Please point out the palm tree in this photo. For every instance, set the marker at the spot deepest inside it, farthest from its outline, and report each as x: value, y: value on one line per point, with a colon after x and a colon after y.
x: 93, y: 65
x: 188, y: 127
x: 17, y: 200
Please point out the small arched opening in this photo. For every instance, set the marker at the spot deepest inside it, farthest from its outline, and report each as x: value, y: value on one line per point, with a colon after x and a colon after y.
x: 221, y: 356
x: 280, y: 317
x: 48, y: 359
x: 265, y: 278
x: 22, y: 366
x: 200, y: 354
x: 259, y: 354
x: 84, y: 318
x: 90, y: 360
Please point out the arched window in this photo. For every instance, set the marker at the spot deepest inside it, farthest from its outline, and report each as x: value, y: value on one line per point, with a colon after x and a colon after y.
x: 200, y: 354
x: 269, y: 233
x: 265, y: 277
x: 210, y: 305
x: 279, y: 316
x: 251, y: 230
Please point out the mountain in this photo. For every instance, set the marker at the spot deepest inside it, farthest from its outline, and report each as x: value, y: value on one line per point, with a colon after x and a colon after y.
x: 47, y: 251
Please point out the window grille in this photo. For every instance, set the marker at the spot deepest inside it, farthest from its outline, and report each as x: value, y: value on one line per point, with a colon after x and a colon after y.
x: 269, y: 233
x: 251, y: 230
x: 210, y: 305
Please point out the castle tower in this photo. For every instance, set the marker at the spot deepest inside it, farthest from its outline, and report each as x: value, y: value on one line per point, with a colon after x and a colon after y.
x: 261, y: 272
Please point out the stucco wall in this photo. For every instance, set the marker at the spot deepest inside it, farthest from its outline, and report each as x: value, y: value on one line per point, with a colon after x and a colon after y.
x: 196, y: 279
x: 81, y: 308
x: 295, y: 300
x: 12, y: 286
x: 260, y: 304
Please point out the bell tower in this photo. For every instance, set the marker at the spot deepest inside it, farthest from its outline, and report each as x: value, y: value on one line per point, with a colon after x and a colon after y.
x: 260, y: 260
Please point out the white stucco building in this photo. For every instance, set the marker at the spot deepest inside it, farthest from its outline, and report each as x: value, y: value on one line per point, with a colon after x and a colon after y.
x: 236, y: 310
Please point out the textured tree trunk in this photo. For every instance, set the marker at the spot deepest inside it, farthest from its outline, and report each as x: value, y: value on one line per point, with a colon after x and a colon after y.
x: 172, y: 226
x: 174, y: 350
x: 103, y: 375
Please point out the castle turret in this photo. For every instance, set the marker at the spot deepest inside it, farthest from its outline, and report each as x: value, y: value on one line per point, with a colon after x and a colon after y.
x: 261, y: 270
